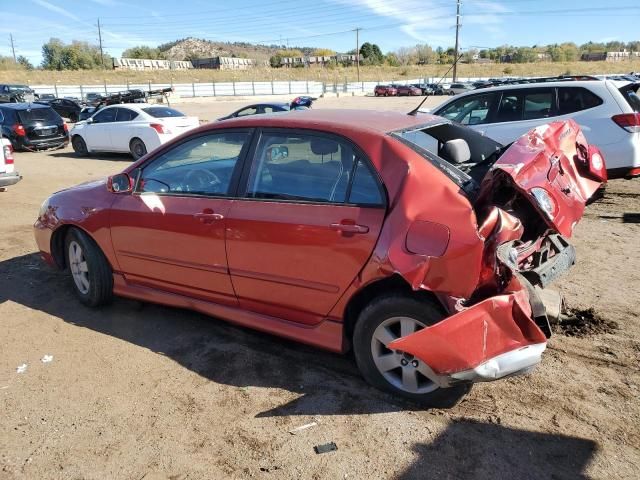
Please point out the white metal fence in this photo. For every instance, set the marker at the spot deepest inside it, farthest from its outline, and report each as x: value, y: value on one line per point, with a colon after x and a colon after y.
x: 227, y: 89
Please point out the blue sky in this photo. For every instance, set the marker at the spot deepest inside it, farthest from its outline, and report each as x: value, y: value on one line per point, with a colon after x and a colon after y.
x: 322, y: 23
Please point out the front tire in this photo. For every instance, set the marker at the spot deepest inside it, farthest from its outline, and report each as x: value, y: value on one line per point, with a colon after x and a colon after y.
x: 137, y: 148
x: 90, y: 272
x: 385, y: 319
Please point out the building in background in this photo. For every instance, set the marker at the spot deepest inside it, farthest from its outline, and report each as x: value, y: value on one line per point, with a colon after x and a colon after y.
x: 224, y: 63
x: 148, y: 64
x: 317, y: 61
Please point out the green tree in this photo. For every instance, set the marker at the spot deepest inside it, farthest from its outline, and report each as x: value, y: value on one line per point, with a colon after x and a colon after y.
x: 24, y: 62
x: 75, y: 56
x: 143, y: 51
x: 275, y: 61
x: 370, y: 54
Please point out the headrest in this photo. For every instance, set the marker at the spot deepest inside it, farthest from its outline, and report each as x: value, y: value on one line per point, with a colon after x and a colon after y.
x: 321, y: 146
x: 456, y: 151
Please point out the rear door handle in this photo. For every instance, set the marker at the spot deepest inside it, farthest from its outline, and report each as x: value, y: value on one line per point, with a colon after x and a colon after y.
x: 208, y: 217
x: 349, y: 228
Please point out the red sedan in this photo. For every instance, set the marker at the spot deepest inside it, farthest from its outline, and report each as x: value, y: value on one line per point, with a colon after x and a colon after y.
x: 408, y: 90
x: 418, y: 243
x: 385, y: 91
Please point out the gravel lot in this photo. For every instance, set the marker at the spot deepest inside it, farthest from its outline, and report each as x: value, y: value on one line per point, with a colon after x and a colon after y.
x: 142, y: 391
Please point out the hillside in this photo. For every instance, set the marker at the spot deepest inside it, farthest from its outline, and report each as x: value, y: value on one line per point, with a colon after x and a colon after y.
x: 199, y: 48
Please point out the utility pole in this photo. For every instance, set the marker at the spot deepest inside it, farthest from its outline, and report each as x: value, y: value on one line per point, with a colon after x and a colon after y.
x: 358, y: 51
x: 458, y: 25
x: 100, y: 41
x: 13, y: 48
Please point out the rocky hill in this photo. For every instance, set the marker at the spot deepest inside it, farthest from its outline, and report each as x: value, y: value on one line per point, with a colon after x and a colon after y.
x: 188, y: 48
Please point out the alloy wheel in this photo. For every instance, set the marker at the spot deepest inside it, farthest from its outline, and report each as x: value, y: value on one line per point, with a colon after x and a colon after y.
x: 400, y: 369
x: 79, y: 268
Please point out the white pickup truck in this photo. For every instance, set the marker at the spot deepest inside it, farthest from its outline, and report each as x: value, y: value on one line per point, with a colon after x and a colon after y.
x: 8, y: 174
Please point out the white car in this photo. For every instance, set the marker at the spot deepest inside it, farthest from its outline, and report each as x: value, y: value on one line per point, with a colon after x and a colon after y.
x: 135, y: 128
x: 608, y: 113
x: 8, y: 174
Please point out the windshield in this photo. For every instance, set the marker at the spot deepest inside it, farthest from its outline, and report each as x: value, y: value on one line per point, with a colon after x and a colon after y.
x: 44, y: 115
x: 162, y: 112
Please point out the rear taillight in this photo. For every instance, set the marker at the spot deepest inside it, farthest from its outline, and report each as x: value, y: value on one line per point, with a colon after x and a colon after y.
x: 597, y: 166
x: 65, y: 127
x: 158, y: 127
x: 629, y: 121
x: 19, y: 130
x: 8, y: 154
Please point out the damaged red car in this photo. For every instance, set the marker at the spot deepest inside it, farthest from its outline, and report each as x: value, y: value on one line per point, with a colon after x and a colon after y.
x: 420, y: 244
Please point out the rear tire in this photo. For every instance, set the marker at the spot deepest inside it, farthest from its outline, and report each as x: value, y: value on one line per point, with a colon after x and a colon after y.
x: 90, y: 273
x: 79, y: 146
x: 385, y: 319
x: 137, y: 148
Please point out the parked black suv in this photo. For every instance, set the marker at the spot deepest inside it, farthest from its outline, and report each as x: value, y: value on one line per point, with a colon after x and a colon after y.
x: 64, y: 107
x: 31, y: 126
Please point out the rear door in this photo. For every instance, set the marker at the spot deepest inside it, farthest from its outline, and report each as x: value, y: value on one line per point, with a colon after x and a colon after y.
x: 520, y: 110
x: 306, y: 223
x: 120, y: 129
x: 170, y: 233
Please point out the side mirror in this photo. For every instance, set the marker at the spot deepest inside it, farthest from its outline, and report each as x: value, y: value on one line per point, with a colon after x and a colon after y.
x: 278, y: 153
x: 120, y: 183
x: 89, y: 120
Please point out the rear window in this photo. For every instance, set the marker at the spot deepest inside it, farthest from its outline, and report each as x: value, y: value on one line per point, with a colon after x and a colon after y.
x: 162, y: 112
x: 576, y: 99
x: 630, y: 93
x: 45, y: 115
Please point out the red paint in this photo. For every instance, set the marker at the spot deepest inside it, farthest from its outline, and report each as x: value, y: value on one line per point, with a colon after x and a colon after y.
x: 427, y: 238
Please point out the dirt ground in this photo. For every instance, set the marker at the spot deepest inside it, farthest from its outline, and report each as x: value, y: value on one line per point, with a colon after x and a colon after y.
x: 142, y: 391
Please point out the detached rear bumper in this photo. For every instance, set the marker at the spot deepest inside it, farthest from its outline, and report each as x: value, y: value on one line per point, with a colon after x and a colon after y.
x: 493, y: 339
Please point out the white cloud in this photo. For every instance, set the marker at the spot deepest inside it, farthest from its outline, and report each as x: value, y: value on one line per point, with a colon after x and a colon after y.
x: 57, y: 9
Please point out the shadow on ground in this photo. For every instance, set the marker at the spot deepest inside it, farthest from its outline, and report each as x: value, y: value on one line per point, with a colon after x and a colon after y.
x: 474, y: 450
x: 114, y: 157
x: 329, y: 384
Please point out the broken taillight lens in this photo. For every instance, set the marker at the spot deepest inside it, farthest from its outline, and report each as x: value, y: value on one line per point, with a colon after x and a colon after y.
x: 629, y: 121
x: 597, y: 166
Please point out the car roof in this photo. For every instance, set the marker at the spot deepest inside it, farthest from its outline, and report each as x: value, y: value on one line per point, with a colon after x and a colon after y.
x: 24, y: 106
x: 334, y: 120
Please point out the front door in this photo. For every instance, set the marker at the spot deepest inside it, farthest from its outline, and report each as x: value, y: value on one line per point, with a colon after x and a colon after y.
x: 170, y: 233
x: 97, y: 134
x: 308, y: 221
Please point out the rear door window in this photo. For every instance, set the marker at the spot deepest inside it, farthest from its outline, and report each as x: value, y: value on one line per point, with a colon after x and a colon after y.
x: 311, y: 168
x: 539, y: 104
x: 576, y: 99
x: 510, y: 107
x: 125, y: 115
x: 162, y: 112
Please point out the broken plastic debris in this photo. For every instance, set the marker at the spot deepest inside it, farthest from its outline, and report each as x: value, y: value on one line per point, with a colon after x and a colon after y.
x: 21, y: 368
x: 327, y: 447
x: 47, y: 359
x: 302, y: 427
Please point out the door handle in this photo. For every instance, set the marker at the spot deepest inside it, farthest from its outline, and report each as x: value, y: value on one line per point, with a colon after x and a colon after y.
x: 349, y: 228
x: 208, y: 217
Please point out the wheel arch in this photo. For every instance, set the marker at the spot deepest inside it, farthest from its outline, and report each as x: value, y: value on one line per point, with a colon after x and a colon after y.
x: 57, y: 243
x: 392, y: 284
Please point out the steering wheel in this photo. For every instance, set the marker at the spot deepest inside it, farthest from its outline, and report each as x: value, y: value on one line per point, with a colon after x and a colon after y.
x: 201, y: 180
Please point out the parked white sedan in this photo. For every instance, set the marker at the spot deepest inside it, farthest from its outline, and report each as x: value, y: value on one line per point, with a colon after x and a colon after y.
x: 135, y: 128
